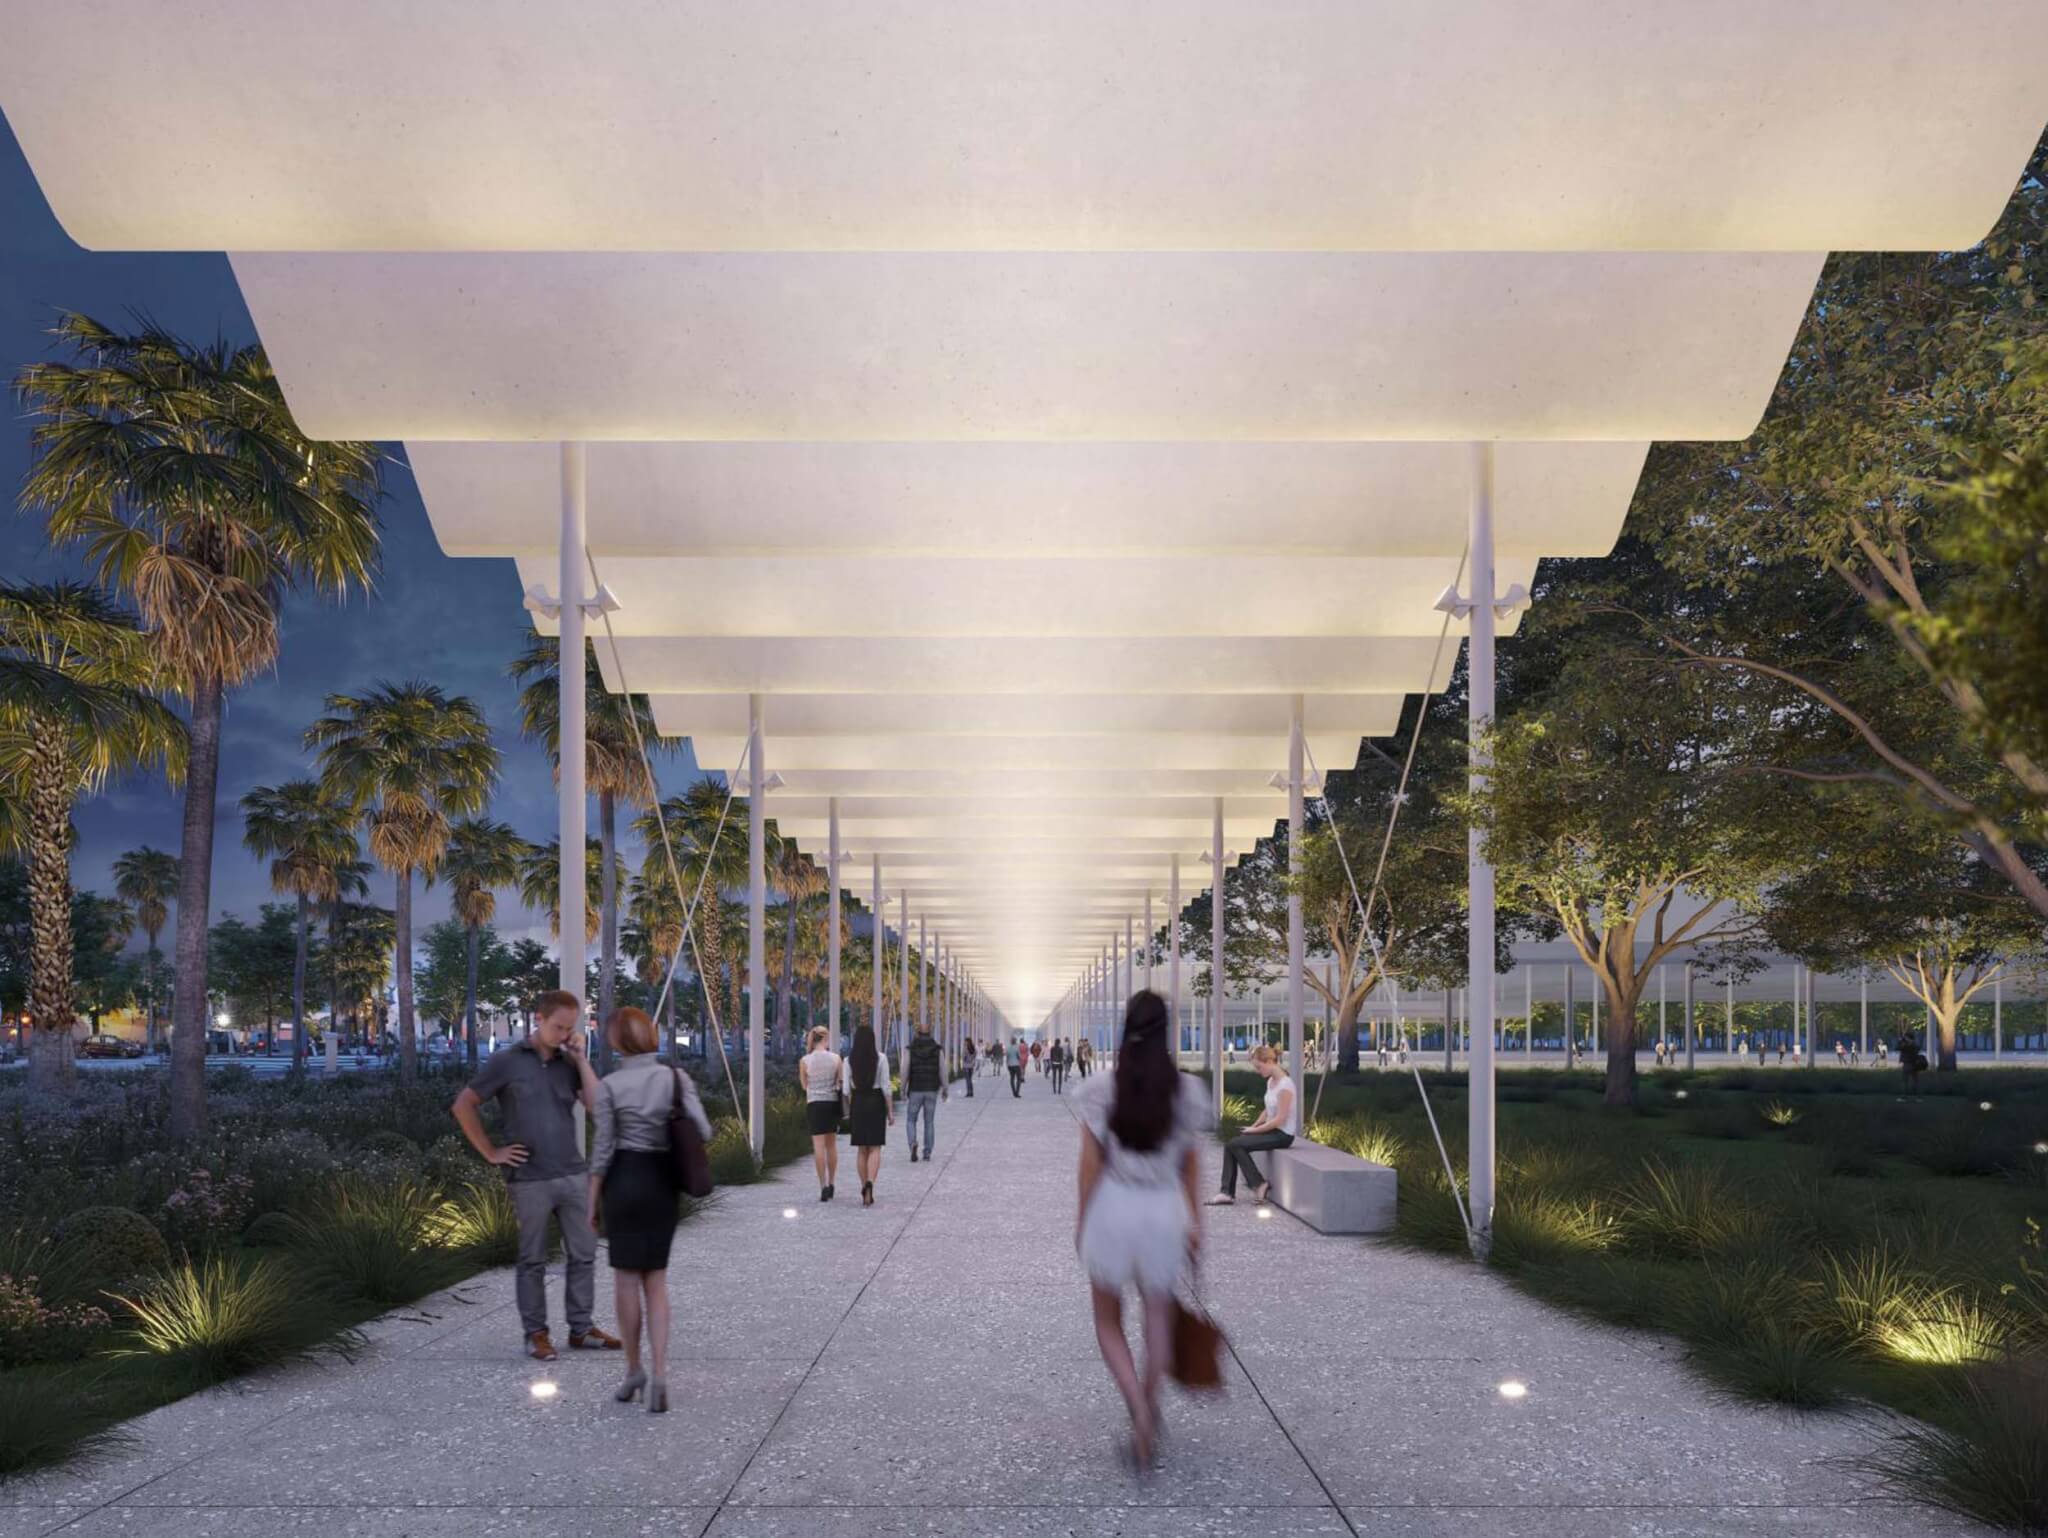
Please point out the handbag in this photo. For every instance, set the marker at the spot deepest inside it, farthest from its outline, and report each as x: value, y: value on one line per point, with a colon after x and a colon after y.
x: 1197, y: 1349
x: 688, y: 1157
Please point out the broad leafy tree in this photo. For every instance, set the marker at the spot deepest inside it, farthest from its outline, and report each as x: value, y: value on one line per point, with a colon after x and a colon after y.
x: 408, y: 759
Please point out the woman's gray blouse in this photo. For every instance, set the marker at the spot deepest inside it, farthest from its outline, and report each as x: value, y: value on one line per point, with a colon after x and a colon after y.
x: 633, y: 1103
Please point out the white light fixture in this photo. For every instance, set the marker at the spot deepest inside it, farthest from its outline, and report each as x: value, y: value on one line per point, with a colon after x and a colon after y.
x: 1514, y: 1389
x: 1678, y: 1094
x: 2041, y: 1148
x: 1983, y: 1105
x: 542, y: 1389
x: 789, y: 1212
x: 221, y: 1019
x: 1265, y: 1212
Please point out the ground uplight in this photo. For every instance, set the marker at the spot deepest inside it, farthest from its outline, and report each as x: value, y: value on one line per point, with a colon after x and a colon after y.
x: 789, y: 1212
x: 543, y: 1389
x: 1514, y: 1389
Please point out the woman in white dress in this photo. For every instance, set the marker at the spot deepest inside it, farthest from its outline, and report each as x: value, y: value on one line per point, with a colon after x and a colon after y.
x: 1139, y: 1224
x: 821, y: 1073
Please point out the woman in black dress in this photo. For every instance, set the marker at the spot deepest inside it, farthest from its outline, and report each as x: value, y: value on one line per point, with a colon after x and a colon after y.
x: 873, y: 1110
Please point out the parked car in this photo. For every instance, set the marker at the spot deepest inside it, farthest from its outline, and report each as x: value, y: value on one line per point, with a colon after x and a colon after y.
x: 105, y: 1044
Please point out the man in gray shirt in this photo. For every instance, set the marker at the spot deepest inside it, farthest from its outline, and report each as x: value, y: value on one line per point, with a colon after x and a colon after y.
x: 537, y: 1083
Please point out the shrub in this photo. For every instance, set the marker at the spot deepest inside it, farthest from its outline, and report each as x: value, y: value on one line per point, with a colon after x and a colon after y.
x: 479, y: 1221
x: 1691, y: 1210
x: 111, y: 1246
x: 34, y: 1331
x: 732, y: 1158
x: 1777, y: 1113
x: 269, y: 1231
x: 374, y: 1243
x: 391, y: 1145
x: 283, y: 1166
x: 1776, y: 1362
x: 206, y: 1210
x: 1940, y: 1327
x: 1539, y: 1229
x: 207, y: 1321
x: 1982, y: 1453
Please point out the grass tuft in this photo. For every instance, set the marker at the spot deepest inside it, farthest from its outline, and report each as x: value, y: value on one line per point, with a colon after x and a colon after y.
x: 1981, y: 1454
x: 210, y: 1320
x: 377, y: 1243
x: 54, y: 1418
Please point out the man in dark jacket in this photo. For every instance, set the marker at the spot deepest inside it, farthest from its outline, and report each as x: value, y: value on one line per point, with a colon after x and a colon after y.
x: 924, y: 1086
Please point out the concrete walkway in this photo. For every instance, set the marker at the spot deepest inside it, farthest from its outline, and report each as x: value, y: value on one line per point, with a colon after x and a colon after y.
x: 927, y: 1367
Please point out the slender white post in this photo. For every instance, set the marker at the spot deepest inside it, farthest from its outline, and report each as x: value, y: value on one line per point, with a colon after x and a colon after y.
x: 924, y: 989
x: 1863, y: 1014
x: 574, y: 870
x: 757, y: 900
x: 1148, y: 943
x: 903, y: 982
x: 879, y: 963
x: 1173, y: 952
x: 1691, y: 1033
x: 1663, y: 1030
x: 1997, y: 1018
x: 1216, y: 1013
x: 1130, y: 957
x: 1479, y: 874
x: 1297, y: 934
x: 1529, y: 1012
x: 832, y: 1000
x: 1450, y: 1025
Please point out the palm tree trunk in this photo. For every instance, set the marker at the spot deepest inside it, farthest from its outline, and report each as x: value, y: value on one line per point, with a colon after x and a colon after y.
x: 401, y: 913
x: 469, y: 1018
x: 195, y: 899
x: 785, y: 1034
x: 49, y: 906
x: 608, y: 924
x: 299, y: 987
x: 334, y: 970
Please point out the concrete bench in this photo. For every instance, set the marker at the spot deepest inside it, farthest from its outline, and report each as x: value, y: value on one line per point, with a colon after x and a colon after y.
x: 1332, y: 1191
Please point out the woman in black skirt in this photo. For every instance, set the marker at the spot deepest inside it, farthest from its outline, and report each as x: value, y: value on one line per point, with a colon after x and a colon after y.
x: 632, y: 1182
x: 874, y: 1110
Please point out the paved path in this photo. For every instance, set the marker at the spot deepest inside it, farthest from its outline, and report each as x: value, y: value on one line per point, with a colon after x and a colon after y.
x: 927, y: 1367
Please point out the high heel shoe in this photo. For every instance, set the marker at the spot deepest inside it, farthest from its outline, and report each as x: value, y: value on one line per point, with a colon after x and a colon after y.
x: 635, y: 1382
x: 824, y: 1193
x: 828, y: 1191
x: 867, y: 1193
x: 657, y: 1397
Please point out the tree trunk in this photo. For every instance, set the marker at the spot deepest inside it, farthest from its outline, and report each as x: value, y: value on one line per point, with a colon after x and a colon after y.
x: 49, y: 906
x: 1347, y: 1032
x: 608, y: 925
x: 334, y: 971
x: 408, y: 1043
x: 149, y: 987
x: 785, y: 1032
x: 189, y: 1022
x: 469, y: 1015
x: 1948, y: 1013
x: 1621, y: 1040
x: 299, y: 987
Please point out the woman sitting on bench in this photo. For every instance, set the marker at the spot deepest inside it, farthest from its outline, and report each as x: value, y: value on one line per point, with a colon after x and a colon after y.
x: 1275, y: 1129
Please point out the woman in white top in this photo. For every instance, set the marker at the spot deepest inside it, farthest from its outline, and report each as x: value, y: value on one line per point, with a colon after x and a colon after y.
x: 1138, y: 1223
x: 1275, y: 1129
x: 822, y: 1074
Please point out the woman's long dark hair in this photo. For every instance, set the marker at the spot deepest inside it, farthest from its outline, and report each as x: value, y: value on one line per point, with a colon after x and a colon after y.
x: 1147, y: 1082
x: 864, y: 1058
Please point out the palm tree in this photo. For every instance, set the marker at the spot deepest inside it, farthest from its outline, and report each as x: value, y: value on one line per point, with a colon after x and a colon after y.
x: 309, y: 836
x: 482, y: 856
x: 406, y: 757
x: 533, y: 972
x: 654, y: 932
x: 147, y: 879
x: 540, y: 872
x: 619, y: 737
x: 710, y: 846
x: 351, y: 885
x: 796, y: 877
x: 181, y: 472
x: 76, y: 707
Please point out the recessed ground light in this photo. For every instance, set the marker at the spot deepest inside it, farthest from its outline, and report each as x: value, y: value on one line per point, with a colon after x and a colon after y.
x: 789, y: 1212
x: 2041, y: 1148
x: 543, y: 1389
x: 1983, y: 1105
x: 1514, y: 1389
x: 1678, y: 1094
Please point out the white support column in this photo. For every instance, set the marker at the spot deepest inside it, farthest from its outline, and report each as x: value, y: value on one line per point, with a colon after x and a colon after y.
x: 1863, y: 1014
x: 1173, y: 953
x: 903, y: 983
x: 1217, y: 1016
x: 1297, y: 934
x: 1691, y: 1031
x: 574, y: 870
x: 757, y: 900
x: 832, y: 943
x: 1130, y: 958
x: 924, y: 993
x: 1528, y: 1012
x: 1481, y: 1151
x: 1663, y: 1030
x: 878, y: 951
x: 1812, y: 1014
x: 1148, y: 942
x: 1997, y: 1018
x: 1450, y: 1026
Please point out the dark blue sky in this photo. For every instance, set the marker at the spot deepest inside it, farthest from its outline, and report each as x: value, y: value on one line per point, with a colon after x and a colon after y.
x: 456, y: 623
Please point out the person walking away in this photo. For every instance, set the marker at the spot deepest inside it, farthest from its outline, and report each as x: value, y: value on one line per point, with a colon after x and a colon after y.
x: 1038, y: 1057
x: 972, y: 1061
x: 1275, y: 1128
x: 537, y: 1084
x: 1137, y: 1223
x: 822, y: 1073
x: 1056, y: 1065
x: 924, y: 1086
x: 633, y: 1185
x: 873, y: 1110
x: 1018, y: 1058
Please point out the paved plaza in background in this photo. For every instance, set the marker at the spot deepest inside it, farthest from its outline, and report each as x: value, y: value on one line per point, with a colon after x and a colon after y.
x: 928, y: 1368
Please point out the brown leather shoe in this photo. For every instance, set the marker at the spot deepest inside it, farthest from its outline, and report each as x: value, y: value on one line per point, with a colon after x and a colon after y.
x: 540, y: 1348
x: 594, y: 1339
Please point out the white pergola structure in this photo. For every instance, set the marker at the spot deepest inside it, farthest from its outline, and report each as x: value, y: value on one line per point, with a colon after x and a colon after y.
x: 1033, y: 429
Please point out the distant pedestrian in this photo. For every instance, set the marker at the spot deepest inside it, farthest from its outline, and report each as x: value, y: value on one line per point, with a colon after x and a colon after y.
x: 1056, y: 1065
x: 1018, y: 1059
x: 822, y: 1074
x: 537, y: 1085
x: 1841, y: 1054
x: 973, y: 1061
x: 1037, y: 1054
x: 924, y: 1086
x: 632, y: 1181
x: 1137, y: 1223
x: 1084, y: 1057
x: 874, y: 1110
x: 1912, y: 1062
